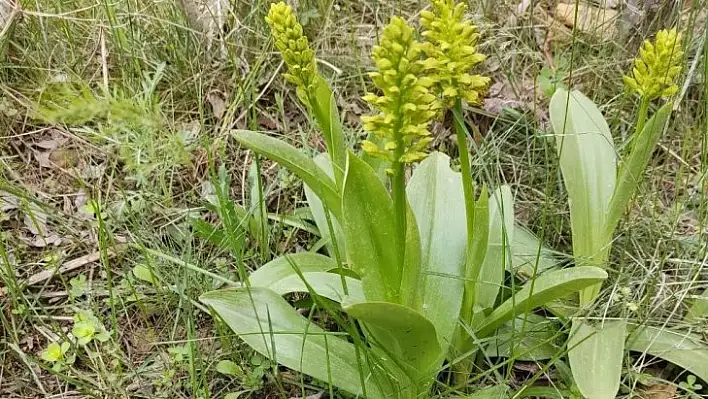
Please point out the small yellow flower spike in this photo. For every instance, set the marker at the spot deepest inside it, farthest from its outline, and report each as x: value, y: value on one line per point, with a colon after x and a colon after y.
x: 406, y: 104
x: 293, y: 45
x: 655, y: 71
x: 452, y: 53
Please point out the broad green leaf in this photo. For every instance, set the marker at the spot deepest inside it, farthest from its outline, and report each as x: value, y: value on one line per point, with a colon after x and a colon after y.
x: 269, y: 325
x: 318, y: 212
x: 436, y: 198
x: 595, y: 355
x: 327, y: 115
x: 328, y: 285
x: 228, y: 367
x: 529, y: 256
x: 588, y: 163
x: 527, y: 338
x: 370, y: 232
x: 699, y: 309
x: 144, y: 273
x: 403, y: 332
x: 633, y: 165
x: 689, y: 351
x: 289, y: 265
x: 545, y: 288
x: 296, y: 162
x: 499, y: 244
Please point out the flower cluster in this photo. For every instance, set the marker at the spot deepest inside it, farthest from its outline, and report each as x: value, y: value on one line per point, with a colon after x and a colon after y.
x: 293, y: 45
x: 452, y: 53
x: 659, y: 64
x: 406, y: 105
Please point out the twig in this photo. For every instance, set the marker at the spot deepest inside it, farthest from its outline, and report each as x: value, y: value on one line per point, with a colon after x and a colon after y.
x: 67, y: 267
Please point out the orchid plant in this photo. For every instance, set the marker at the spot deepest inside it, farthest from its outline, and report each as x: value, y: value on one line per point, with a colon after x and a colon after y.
x: 600, y: 188
x: 415, y: 265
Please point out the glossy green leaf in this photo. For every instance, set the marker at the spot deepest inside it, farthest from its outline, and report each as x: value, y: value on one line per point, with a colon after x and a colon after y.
x: 318, y: 211
x: 595, y: 355
x: 327, y: 115
x: 632, y: 168
x: 529, y: 338
x: 289, y: 265
x: 436, y: 198
x: 545, y: 288
x: 269, y: 325
x: 370, y: 232
x: 328, y: 285
x: 588, y: 163
x: 296, y: 162
x: 499, y: 244
x: 688, y: 351
x: 403, y: 332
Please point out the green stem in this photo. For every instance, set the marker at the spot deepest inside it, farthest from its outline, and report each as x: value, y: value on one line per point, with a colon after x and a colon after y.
x: 465, y: 168
x: 399, y: 205
x: 471, y: 268
x: 641, y: 117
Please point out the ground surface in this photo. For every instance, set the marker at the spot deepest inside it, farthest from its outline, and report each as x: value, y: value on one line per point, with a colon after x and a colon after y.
x: 115, y: 118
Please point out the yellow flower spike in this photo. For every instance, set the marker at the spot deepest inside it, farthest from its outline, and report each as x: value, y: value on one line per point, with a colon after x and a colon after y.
x: 293, y: 45
x: 659, y: 64
x: 451, y: 49
x: 406, y: 106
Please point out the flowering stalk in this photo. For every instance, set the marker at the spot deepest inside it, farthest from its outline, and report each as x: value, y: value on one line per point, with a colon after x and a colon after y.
x: 655, y: 71
x: 312, y: 89
x: 406, y: 108
x: 452, y: 54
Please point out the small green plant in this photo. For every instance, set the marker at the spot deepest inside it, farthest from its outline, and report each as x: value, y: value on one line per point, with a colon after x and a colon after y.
x: 56, y: 355
x: 79, y: 286
x: 420, y: 255
x: 88, y: 327
x: 691, y: 386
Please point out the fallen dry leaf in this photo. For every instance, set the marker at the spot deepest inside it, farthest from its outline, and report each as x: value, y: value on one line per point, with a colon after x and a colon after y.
x: 65, y: 158
x: 218, y: 103
x: 42, y: 241
x: 8, y: 12
x: 660, y: 391
x: 8, y: 201
x: 36, y: 219
x: 42, y: 158
x: 589, y: 19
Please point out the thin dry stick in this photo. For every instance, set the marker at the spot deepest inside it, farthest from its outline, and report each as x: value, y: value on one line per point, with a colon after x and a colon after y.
x: 67, y: 267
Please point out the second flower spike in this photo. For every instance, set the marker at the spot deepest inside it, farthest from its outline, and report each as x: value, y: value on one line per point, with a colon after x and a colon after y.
x: 405, y: 104
x: 293, y: 45
x: 657, y: 67
x: 451, y: 49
